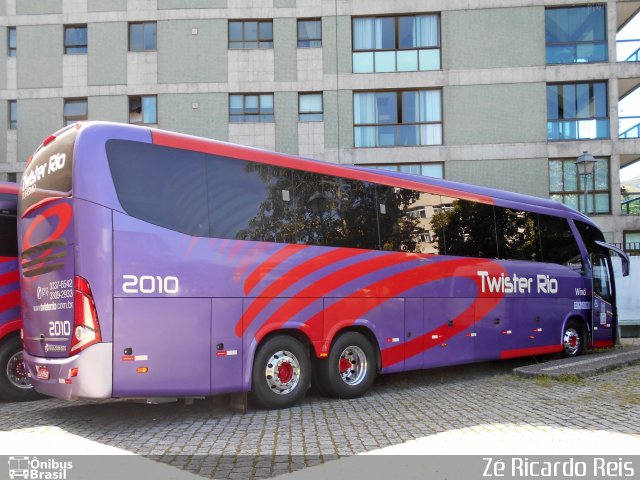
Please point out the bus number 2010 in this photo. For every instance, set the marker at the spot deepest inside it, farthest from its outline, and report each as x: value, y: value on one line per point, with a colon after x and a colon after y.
x: 150, y: 284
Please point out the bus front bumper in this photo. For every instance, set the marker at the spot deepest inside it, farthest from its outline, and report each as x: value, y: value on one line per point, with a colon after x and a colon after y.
x: 86, y: 375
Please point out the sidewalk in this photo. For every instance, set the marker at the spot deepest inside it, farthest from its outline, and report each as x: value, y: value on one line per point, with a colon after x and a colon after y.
x: 584, y: 366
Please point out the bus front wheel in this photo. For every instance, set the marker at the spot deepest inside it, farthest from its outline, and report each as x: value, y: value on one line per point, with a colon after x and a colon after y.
x: 350, y: 369
x: 281, y: 373
x: 572, y: 339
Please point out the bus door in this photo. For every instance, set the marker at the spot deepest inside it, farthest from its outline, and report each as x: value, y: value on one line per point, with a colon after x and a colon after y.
x: 602, y: 301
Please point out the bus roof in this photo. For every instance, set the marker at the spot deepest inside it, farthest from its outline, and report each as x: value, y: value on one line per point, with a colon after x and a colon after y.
x: 403, y: 180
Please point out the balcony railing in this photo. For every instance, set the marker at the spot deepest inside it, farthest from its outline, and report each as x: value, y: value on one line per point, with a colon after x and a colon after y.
x: 629, y: 127
x: 628, y: 50
x: 630, y: 203
x: 577, y: 52
x: 578, y: 129
x: 632, y: 248
x: 398, y: 135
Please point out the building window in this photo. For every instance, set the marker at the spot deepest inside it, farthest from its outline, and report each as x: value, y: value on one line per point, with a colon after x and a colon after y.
x: 12, y: 177
x: 577, y: 111
x: 75, y: 39
x: 396, y: 44
x: 566, y: 186
x: 392, y: 118
x: 75, y: 110
x: 142, y: 37
x: 143, y: 110
x: 12, y: 42
x: 255, y: 107
x: 13, y: 114
x: 576, y: 34
x: 310, y: 107
x: 432, y: 169
x: 250, y: 34
x: 309, y: 33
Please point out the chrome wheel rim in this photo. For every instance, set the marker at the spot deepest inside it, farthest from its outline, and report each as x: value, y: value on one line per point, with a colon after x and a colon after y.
x: 282, y: 372
x: 352, y: 365
x: 17, y: 373
x: 571, y: 341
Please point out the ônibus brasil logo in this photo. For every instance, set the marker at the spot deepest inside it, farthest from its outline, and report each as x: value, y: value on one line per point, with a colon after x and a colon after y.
x: 36, y: 469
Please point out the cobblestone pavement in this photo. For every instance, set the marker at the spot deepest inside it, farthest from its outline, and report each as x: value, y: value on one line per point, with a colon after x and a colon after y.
x: 210, y: 440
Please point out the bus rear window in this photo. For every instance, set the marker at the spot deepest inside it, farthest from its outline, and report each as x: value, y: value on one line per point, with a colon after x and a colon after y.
x: 49, y: 173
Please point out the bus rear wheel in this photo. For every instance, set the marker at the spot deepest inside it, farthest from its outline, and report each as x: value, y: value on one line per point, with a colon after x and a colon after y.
x: 15, y: 385
x: 350, y: 369
x: 281, y: 373
x: 572, y: 339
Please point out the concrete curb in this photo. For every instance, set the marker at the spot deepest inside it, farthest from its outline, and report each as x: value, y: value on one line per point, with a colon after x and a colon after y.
x: 584, y: 366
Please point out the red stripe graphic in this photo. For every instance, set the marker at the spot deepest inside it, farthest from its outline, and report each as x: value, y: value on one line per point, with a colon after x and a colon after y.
x: 523, y: 352
x: 603, y: 343
x: 346, y: 311
x: 268, y: 265
x: 10, y: 327
x: 288, y: 279
x: 328, y: 284
x: 9, y: 277
x: 248, y: 258
x: 10, y: 300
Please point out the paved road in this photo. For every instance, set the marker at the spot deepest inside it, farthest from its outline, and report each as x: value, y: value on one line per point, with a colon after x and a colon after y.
x: 467, y: 409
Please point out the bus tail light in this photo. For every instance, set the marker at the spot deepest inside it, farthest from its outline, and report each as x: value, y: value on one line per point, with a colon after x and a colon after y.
x: 86, y: 329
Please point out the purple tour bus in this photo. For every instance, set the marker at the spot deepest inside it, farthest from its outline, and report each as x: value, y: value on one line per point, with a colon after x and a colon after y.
x: 155, y: 264
x: 14, y: 382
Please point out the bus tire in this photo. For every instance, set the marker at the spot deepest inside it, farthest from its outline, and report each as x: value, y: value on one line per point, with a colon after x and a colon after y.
x: 350, y: 369
x: 281, y: 373
x: 573, y: 339
x: 15, y: 385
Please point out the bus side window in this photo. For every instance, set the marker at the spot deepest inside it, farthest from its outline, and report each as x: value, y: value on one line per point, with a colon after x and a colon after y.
x: 558, y: 243
x: 518, y: 234
x: 465, y: 228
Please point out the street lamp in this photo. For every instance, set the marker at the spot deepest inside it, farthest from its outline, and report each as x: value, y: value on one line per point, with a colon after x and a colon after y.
x: 585, y: 164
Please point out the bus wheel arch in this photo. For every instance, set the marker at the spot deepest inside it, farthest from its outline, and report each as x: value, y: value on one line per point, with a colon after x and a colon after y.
x: 14, y: 383
x: 574, y: 336
x: 352, y: 365
x: 281, y: 372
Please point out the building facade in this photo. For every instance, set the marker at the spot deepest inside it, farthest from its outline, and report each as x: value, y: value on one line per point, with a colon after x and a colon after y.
x: 503, y: 93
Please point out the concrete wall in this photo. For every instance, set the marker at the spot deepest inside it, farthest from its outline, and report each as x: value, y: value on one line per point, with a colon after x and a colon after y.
x: 528, y: 176
x: 495, y: 113
x: 44, y: 116
x: 112, y: 108
x: 24, y: 7
x: 4, y: 121
x: 3, y: 63
x: 106, y: 5
x: 285, y: 42
x: 627, y: 293
x: 107, y: 53
x: 166, y: 4
x: 185, y: 57
x: 202, y: 114
x: 507, y: 37
x: 42, y: 67
x: 286, y: 117
x: 336, y: 58
x: 338, y: 118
